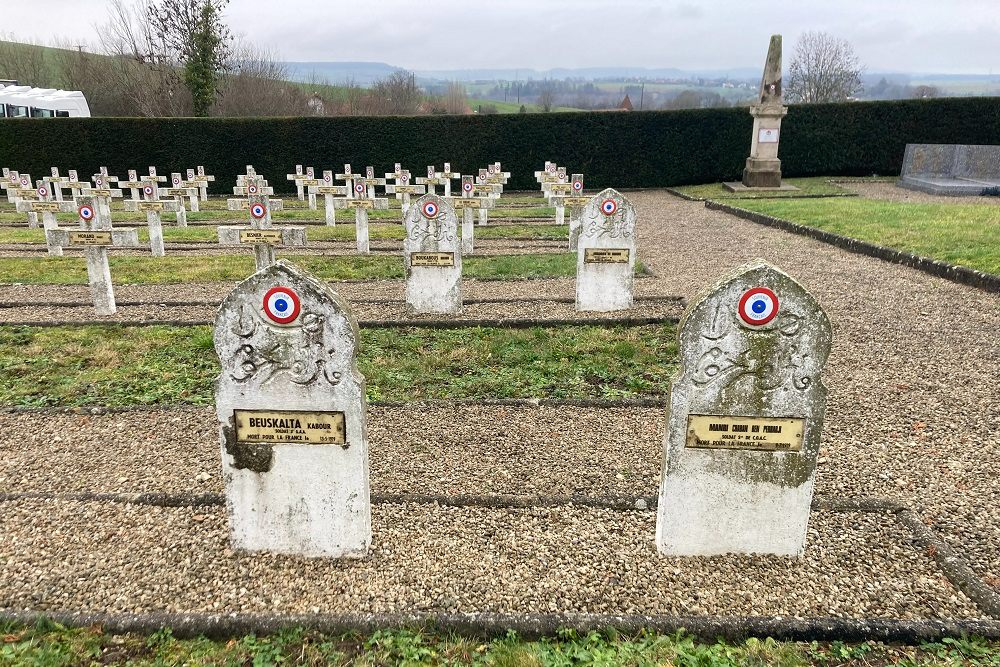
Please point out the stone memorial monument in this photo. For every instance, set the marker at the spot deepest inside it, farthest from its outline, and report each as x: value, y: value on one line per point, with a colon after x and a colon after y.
x: 744, y: 418
x: 291, y: 409
x: 605, y: 258
x: 951, y: 169
x: 433, y: 257
x: 763, y: 168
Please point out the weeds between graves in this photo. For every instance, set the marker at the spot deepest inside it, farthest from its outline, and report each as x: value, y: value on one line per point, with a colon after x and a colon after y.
x: 817, y: 185
x: 212, y: 268
x: 344, y: 232
x: 963, y: 234
x: 161, y: 365
x: 49, y: 644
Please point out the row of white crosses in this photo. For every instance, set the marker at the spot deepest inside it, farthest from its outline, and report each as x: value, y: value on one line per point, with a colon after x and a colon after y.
x: 254, y: 195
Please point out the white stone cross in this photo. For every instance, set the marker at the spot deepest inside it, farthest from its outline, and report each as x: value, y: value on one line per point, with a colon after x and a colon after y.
x: 19, y: 189
x: 95, y: 235
x: 292, y: 420
x: 361, y: 205
x: 402, y: 189
x: 298, y: 177
x: 55, y: 183
x: 432, y: 180
x: 432, y: 253
x: 179, y: 190
x: 133, y: 184
x: 202, y: 179
x: 261, y: 234
x: 744, y: 419
x: 153, y: 206
x: 448, y: 175
x: 44, y: 204
x: 329, y: 191
x: 467, y: 202
x: 605, y: 259
x: 575, y: 203
x: 484, y: 189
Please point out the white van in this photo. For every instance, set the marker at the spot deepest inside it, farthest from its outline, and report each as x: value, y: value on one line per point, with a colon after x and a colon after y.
x: 28, y: 102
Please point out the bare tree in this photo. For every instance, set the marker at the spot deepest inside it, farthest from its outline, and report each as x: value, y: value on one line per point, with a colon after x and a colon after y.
x: 25, y: 62
x: 824, y: 69
x: 926, y: 91
x: 257, y: 85
x: 395, y: 95
x: 547, y: 97
x: 456, y: 101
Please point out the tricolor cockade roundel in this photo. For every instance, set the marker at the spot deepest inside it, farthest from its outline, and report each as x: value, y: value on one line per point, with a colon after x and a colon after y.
x: 252, y: 189
x: 282, y: 305
x: 359, y: 188
x: 43, y: 192
x: 609, y: 207
x: 467, y: 186
x: 258, y: 211
x: 147, y: 189
x: 431, y: 209
x: 86, y: 212
x: 578, y: 186
x: 758, y: 306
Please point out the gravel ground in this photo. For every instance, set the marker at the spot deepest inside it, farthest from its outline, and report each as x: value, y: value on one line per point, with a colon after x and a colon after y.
x: 913, y: 415
x: 363, y: 311
x: 127, y: 558
x: 892, y: 192
x: 913, y: 411
x: 353, y: 291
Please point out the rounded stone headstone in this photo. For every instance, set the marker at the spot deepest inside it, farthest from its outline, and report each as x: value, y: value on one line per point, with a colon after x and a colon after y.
x: 432, y: 253
x: 605, y: 260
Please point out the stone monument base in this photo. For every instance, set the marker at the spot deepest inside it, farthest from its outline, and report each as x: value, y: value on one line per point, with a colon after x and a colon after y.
x: 736, y: 186
x: 948, y: 186
x: 762, y: 173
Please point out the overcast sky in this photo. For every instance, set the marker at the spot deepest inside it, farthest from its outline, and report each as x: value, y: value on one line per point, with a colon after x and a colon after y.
x: 949, y: 36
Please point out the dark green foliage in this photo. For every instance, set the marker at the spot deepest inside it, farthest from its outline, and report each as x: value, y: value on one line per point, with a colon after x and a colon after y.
x: 624, y: 150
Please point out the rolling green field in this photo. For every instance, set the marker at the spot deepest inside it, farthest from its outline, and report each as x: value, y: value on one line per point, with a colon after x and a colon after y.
x: 963, y: 234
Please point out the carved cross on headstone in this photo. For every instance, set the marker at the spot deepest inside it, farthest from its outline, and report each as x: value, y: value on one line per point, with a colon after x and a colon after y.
x: 745, y: 418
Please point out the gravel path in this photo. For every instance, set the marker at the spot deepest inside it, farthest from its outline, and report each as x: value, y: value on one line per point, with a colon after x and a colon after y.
x: 892, y: 192
x: 913, y: 415
x: 129, y: 558
x: 539, y: 309
x: 913, y: 411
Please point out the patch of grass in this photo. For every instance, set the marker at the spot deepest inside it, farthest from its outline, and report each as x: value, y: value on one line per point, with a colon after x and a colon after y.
x: 48, y: 644
x: 161, y: 365
x: 817, y: 185
x: 176, y: 269
x: 963, y: 234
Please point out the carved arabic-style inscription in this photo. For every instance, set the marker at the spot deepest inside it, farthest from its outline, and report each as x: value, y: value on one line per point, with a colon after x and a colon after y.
x: 613, y: 227
x: 430, y: 229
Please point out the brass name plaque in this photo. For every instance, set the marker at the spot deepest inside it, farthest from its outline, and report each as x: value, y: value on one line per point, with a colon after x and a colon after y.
x: 90, y: 238
x: 98, y: 192
x: 45, y: 206
x: 561, y: 187
x: 26, y: 193
x: 770, y: 434
x: 576, y: 201
x: 466, y: 202
x: 360, y: 203
x: 310, y: 182
x: 268, y: 236
x: 149, y: 206
x: 432, y: 259
x: 330, y: 190
x: 178, y: 192
x: 408, y: 189
x: 605, y: 255
x: 290, y: 427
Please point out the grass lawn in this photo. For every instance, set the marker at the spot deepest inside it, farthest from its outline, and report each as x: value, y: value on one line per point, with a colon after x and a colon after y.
x: 816, y: 185
x: 162, y: 365
x: 341, y: 232
x: 47, y: 644
x: 175, y: 269
x: 963, y: 234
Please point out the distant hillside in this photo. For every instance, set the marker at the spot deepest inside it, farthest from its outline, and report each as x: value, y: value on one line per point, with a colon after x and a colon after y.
x: 336, y: 73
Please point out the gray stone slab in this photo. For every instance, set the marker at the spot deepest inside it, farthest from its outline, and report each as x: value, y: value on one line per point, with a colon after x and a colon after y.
x: 951, y: 169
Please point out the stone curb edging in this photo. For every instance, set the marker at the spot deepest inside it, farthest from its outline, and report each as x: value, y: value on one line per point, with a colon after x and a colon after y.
x: 959, y: 274
x: 528, y: 626
x: 951, y: 564
x: 383, y: 324
x: 834, y: 195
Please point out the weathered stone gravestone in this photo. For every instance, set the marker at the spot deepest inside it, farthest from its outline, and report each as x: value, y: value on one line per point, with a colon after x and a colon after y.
x: 291, y: 409
x: 763, y: 168
x: 744, y: 419
x: 432, y: 253
x: 605, y: 258
x: 951, y: 169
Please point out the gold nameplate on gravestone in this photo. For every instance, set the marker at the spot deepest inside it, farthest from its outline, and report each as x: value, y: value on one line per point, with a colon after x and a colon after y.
x: 90, y: 238
x: 150, y: 206
x: 770, y: 434
x: 466, y: 202
x: 432, y: 259
x: 561, y: 187
x: 269, y: 236
x: 26, y: 193
x: 361, y: 203
x: 576, y: 201
x: 290, y: 427
x: 98, y: 192
x: 310, y: 182
x: 605, y: 255
x: 45, y: 207
x: 408, y: 189
x: 330, y: 190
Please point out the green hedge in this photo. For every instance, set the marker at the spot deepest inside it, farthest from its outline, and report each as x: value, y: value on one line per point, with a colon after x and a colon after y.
x: 620, y: 149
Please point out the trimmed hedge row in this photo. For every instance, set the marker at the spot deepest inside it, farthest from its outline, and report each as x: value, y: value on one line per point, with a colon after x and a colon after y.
x: 620, y: 149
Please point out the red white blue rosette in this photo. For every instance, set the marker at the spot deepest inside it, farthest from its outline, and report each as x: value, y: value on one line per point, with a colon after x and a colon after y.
x: 282, y: 305
x: 467, y: 186
x: 25, y: 182
x: 252, y: 189
x: 758, y: 306
x: 42, y: 192
x: 430, y: 209
x: 147, y: 190
x: 86, y: 212
x: 578, y: 186
x: 258, y: 210
x: 609, y: 207
x: 359, y: 188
